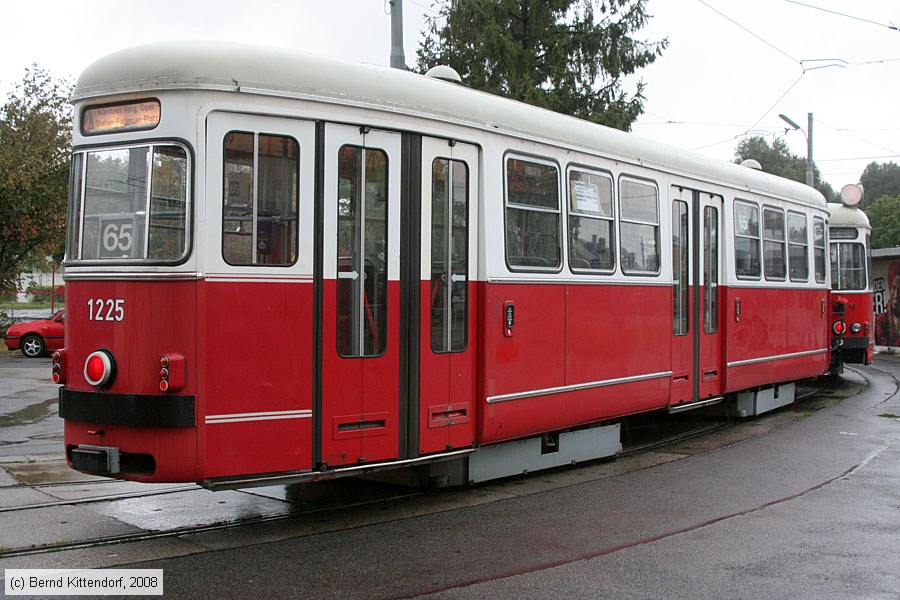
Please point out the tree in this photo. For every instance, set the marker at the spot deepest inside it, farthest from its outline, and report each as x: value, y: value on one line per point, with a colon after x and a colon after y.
x: 880, y: 180
x: 883, y: 216
x: 777, y: 159
x: 35, y: 136
x: 549, y: 53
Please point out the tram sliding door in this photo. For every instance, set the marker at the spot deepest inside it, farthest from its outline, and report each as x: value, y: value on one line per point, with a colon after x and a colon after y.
x: 696, y: 265
x: 359, y: 415
x: 256, y: 296
x: 447, y: 302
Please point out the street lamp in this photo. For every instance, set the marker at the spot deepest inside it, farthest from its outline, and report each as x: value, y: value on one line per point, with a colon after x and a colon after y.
x: 809, y: 143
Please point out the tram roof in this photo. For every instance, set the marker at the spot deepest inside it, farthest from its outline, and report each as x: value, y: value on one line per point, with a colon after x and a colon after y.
x: 272, y: 71
x: 847, y: 216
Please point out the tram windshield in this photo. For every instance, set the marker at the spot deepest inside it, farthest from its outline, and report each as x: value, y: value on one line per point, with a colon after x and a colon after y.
x: 848, y: 266
x: 129, y: 204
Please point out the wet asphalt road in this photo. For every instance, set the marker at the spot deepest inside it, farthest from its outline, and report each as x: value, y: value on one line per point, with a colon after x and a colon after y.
x: 809, y: 510
x: 29, y: 407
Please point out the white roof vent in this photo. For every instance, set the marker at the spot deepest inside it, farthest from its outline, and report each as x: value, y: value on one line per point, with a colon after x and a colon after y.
x: 444, y: 73
x: 752, y: 164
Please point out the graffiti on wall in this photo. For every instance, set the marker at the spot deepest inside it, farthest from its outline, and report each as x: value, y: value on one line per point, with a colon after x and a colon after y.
x: 887, y: 307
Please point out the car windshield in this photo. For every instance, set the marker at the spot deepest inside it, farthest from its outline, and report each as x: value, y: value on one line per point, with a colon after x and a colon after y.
x: 129, y: 204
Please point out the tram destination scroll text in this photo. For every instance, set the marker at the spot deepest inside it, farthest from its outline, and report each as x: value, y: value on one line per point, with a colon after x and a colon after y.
x: 83, y: 582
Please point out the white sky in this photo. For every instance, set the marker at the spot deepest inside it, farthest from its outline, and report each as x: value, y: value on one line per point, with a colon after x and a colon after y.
x: 731, y: 67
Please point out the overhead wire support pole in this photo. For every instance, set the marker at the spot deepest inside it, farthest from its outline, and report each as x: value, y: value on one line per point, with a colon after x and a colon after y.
x: 810, y: 181
x: 398, y: 58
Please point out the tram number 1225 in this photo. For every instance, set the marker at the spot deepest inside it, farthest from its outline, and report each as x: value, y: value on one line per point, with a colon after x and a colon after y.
x: 106, y: 310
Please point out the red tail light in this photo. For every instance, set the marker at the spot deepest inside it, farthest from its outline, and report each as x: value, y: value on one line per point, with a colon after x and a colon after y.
x: 839, y: 328
x: 171, y: 372
x: 59, y: 373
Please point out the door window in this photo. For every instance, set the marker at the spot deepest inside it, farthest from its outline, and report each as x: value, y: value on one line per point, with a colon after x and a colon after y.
x: 362, y: 250
x: 449, y: 255
x: 259, y: 199
x: 680, y: 269
x: 710, y: 269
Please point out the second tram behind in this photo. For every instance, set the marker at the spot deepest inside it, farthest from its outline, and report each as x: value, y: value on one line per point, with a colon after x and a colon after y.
x: 853, y: 322
x: 283, y: 267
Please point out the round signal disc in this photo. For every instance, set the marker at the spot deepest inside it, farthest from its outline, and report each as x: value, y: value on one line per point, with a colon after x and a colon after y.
x: 99, y: 369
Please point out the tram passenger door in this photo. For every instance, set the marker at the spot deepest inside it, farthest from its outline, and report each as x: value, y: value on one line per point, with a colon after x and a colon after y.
x: 359, y: 412
x: 696, y: 262
x: 447, y: 302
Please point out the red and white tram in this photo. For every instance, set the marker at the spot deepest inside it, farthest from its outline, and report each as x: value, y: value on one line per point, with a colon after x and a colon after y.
x: 285, y: 267
x: 853, y: 322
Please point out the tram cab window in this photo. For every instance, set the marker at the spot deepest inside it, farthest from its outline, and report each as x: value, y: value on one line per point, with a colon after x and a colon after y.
x: 746, y: 240
x: 819, y: 248
x: 591, y: 226
x: 260, y: 199
x: 639, y: 211
x: 130, y: 204
x: 532, y: 215
x: 848, y: 266
x: 798, y: 247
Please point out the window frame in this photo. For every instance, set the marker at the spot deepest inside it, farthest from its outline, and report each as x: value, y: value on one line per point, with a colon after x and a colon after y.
x: 826, y: 259
x: 453, y: 348
x: 681, y: 278
x: 255, y: 200
x: 379, y: 339
x: 712, y: 257
x: 76, y: 200
x: 856, y: 249
x: 790, y: 244
x: 622, y: 220
x: 612, y: 219
x: 507, y: 205
x: 758, y: 238
x: 783, y: 242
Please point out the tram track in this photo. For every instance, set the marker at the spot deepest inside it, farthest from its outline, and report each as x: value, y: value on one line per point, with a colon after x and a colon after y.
x: 701, y: 429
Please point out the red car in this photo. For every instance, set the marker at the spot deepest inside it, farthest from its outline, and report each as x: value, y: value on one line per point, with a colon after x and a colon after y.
x: 36, y: 338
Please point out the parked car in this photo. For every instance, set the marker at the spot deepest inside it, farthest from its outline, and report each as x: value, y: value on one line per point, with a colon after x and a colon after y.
x: 36, y: 338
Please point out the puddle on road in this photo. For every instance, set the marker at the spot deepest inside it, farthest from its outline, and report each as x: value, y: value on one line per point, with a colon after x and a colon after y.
x: 30, y: 414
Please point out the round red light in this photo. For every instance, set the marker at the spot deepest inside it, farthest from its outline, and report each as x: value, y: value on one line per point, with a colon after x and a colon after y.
x: 163, y: 374
x: 839, y: 328
x: 164, y: 361
x: 163, y: 385
x: 56, y: 378
x: 99, y: 369
x: 95, y: 368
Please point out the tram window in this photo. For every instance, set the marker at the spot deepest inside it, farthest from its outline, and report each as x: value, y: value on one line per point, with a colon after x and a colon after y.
x: 260, y: 199
x: 680, y: 268
x: 76, y: 177
x: 773, y: 243
x: 166, y: 229
x: 848, y: 266
x: 746, y: 240
x: 819, y: 248
x: 591, y: 227
x: 710, y: 269
x: 639, y: 210
x: 532, y: 215
x: 130, y: 204
x: 798, y: 247
x: 362, y: 285
x: 449, y: 255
